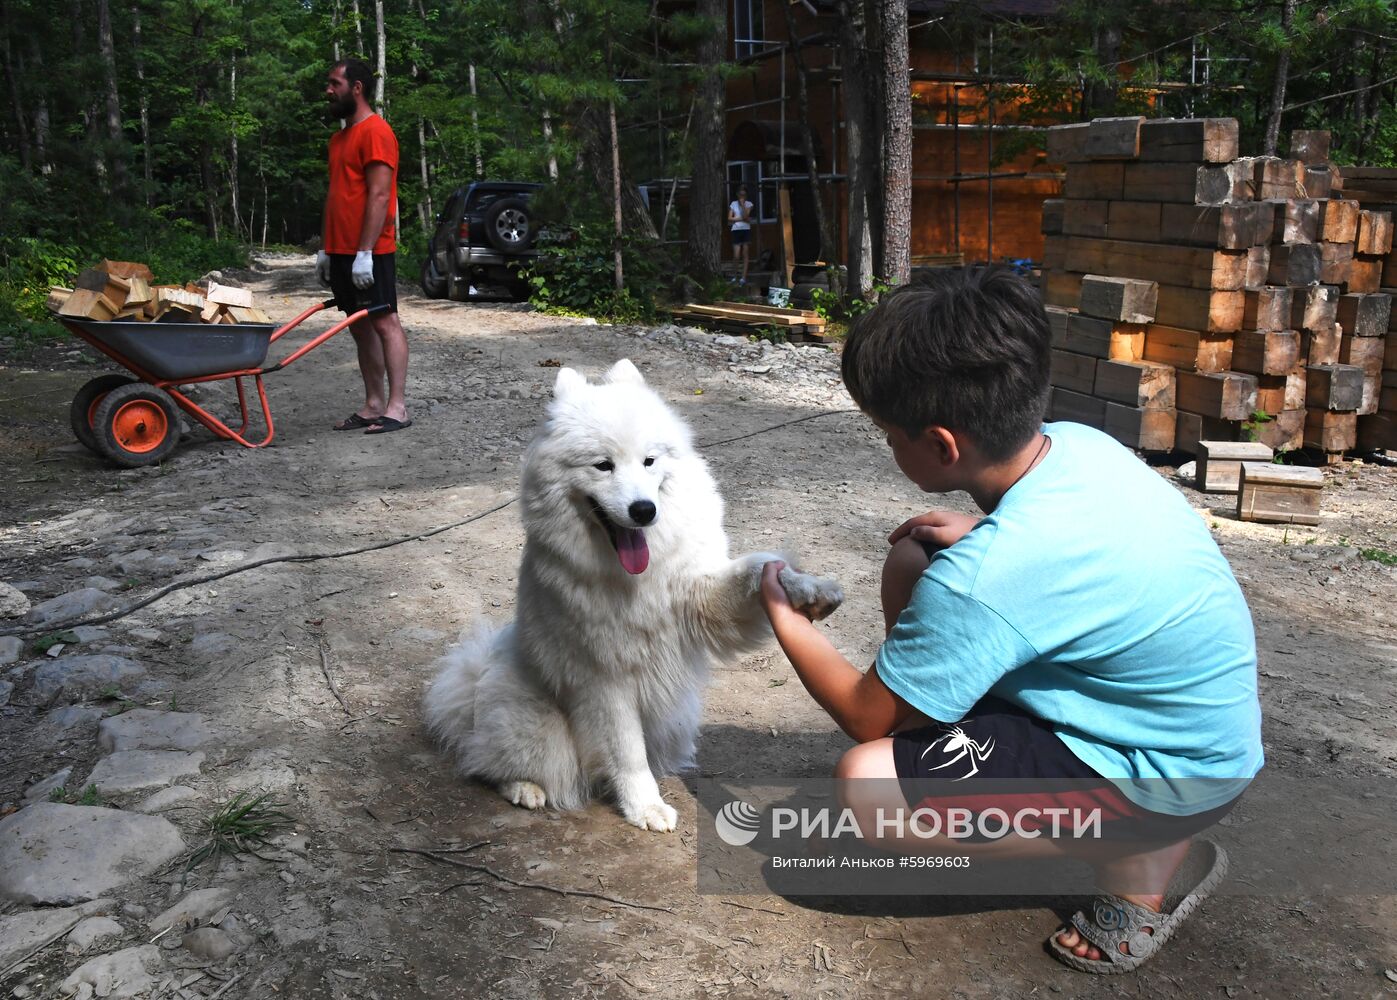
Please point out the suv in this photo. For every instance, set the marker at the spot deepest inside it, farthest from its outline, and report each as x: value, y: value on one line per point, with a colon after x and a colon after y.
x: 483, y: 236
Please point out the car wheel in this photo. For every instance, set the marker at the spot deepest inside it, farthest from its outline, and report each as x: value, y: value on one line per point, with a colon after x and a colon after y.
x: 509, y: 227
x: 433, y: 284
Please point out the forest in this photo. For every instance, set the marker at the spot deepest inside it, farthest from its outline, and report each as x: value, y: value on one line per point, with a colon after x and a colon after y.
x: 186, y: 133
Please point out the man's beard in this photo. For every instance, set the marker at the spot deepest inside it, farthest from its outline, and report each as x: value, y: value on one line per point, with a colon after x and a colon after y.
x: 343, y: 108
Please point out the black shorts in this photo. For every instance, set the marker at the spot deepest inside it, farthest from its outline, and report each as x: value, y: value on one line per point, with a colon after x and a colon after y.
x: 1001, y: 757
x: 384, y: 290
x: 741, y: 236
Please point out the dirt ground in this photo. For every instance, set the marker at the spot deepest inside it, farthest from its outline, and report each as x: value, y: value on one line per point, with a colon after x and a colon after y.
x: 344, y: 911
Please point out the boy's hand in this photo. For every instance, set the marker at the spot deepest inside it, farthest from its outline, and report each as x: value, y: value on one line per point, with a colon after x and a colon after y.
x: 787, y: 592
x: 775, y: 601
x: 940, y: 527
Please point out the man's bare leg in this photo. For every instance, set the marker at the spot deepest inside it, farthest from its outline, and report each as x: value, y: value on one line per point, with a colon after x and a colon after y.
x: 392, y: 344
x: 370, y: 367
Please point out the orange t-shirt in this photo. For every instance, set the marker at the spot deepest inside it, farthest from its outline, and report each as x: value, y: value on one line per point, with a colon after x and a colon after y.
x: 352, y: 149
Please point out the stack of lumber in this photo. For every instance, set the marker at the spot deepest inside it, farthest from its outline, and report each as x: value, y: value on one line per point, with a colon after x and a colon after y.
x: 744, y: 318
x: 1268, y: 314
x: 1375, y: 188
x: 124, y: 290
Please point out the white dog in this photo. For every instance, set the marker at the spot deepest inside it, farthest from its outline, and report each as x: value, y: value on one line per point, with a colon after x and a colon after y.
x: 626, y: 592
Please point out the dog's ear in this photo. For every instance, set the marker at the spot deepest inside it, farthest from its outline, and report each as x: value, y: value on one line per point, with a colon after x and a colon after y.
x: 568, y: 381
x: 623, y: 371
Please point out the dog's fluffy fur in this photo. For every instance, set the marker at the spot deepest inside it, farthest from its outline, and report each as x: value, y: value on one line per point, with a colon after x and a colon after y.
x: 626, y: 593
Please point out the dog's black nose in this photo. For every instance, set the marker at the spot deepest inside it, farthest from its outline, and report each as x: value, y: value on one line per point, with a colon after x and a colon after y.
x: 641, y: 512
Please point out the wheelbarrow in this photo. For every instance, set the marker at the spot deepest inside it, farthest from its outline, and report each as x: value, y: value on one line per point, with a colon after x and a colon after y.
x: 134, y: 421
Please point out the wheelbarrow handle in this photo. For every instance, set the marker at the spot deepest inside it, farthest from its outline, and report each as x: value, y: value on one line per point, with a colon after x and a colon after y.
x: 320, y: 339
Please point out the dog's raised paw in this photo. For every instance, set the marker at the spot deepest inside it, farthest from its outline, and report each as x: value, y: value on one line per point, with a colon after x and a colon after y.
x: 658, y: 816
x: 524, y: 793
x: 813, y: 596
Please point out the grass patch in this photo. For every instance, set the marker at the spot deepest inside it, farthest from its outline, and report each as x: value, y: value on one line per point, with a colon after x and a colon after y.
x: 240, y: 826
x: 88, y: 797
x: 43, y: 645
x: 1381, y: 556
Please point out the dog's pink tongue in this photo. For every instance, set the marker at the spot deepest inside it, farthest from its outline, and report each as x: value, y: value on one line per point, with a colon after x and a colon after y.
x: 631, y: 547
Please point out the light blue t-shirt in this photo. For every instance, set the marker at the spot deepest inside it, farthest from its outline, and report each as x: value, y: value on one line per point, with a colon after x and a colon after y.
x: 1094, y: 598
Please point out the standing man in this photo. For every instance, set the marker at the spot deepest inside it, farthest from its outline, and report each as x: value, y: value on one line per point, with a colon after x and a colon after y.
x: 358, y: 261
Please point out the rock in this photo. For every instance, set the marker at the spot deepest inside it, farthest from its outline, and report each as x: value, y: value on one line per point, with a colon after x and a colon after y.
x: 10, y: 648
x: 1188, y: 472
x: 119, y: 975
x: 54, y: 853
x: 273, y: 778
x: 13, y: 603
x: 73, y: 604
x: 272, y: 550
x: 193, y: 909
x: 212, y: 643
x: 91, y: 930
x: 210, y: 944
x: 72, y: 716
x: 39, y: 791
x: 89, y: 633
x: 167, y: 798
x: 148, y: 729
x: 221, y: 557
x: 81, y: 677
x: 6, y: 689
x: 21, y: 933
x: 105, y: 583
x: 135, y: 770
x: 147, y: 634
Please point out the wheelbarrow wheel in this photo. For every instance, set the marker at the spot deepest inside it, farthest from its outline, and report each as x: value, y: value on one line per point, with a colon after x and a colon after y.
x: 84, y: 407
x: 136, y: 425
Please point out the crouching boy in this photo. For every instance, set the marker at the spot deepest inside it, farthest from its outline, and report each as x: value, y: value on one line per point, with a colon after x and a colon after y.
x: 1085, y: 631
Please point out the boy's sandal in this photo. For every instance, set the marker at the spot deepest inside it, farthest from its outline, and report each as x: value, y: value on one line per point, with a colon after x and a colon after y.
x: 1115, y: 921
x: 353, y: 422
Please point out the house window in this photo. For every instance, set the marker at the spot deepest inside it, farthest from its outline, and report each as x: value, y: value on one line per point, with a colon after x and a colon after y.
x: 760, y: 192
x: 748, y: 27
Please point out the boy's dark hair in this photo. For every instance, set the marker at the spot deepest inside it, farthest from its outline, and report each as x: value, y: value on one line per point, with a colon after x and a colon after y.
x: 357, y: 71
x: 965, y: 349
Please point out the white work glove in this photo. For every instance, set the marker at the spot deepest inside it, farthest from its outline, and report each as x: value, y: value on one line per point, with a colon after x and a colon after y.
x: 363, y: 272
x: 322, y: 267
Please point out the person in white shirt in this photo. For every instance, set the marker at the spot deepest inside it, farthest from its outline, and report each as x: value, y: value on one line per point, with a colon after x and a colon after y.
x: 740, y: 216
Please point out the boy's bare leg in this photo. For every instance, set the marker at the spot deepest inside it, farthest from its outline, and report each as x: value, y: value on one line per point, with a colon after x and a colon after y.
x: 371, y: 367
x: 392, y: 341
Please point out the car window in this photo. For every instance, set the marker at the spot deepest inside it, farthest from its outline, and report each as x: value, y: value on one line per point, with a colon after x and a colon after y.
x: 482, y: 199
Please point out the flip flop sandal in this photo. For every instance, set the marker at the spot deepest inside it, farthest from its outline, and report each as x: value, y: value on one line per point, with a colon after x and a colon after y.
x: 387, y: 425
x: 353, y: 422
x: 1114, y: 920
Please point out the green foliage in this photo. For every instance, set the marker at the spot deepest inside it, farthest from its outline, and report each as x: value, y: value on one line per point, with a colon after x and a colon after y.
x: 576, y: 276
x: 832, y: 308
x: 88, y: 797
x: 1381, y: 556
x: 240, y: 826
x: 1253, y: 425
x: 44, y: 644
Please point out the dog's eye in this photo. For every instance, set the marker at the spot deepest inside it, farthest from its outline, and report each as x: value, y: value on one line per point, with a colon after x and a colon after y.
x: 605, y: 466
x: 649, y: 462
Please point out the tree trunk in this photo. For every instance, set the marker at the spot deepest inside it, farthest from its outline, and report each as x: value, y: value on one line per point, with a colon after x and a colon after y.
x: 860, y: 168
x: 206, y: 173
x: 358, y: 28
x: 707, y: 193
x: 595, y: 157
x: 425, y: 202
x: 1101, y: 94
x: 234, y: 191
x: 41, y: 110
x: 115, y: 134
x: 1273, y: 121
x: 148, y: 183
x: 21, y: 124
x: 807, y: 140
x: 616, y: 190
x: 548, y: 142
x: 335, y: 31
x: 475, y: 126
x: 380, y: 79
x: 897, y: 144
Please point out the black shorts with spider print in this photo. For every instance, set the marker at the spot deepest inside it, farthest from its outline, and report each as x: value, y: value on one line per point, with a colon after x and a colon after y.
x: 1001, y: 758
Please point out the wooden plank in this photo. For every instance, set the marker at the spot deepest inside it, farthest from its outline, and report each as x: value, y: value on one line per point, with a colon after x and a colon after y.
x: 1319, y: 180
x: 227, y: 295
x: 85, y: 303
x: 1200, y: 309
x: 1083, y: 217
x: 126, y: 269
x: 1190, y: 267
x: 211, y: 313
x: 1185, y: 183
x: 1227, y: 227
x: 1387, y: 278
x: 1114, y: 138
x: 1190, y: 428
x: 1273, y: 352
x: 1378, y: 432
x: 1057, y: 325
x: 1072, y: 371
x: 252, y: 315
x: 1088, y: 335
x: 1095, y: 180
x: 1310, y: 146
x: 1187, y: 349
x: 1314, y: 308
x: 1294, y: 389
x: 1054, y: 252
x: 1274, y: 177
x: 1125, y: 300
x: 1335, y: 262
x: 1296, y: 264
x: 1284, y: 431
x: 1333, y: 387
x: 1189, y: 140
x: 1299, y: 218
x: 57, y: 296
x: 1267, y: 308
x: 1128, y: 342
x: 1052, y: 217
x: 1279, y: 494
x: 1321, y: 346
x: 1139, y: 384
x: 1258, y: 266
x: 1331, y: 431
x: 1365, y: 274
x: 1219, y: 465
x: 1140, y: 221
x: 1270, y: 393
x: 1061, y: 288
x: 1389, y: 357
x: 1365, y: 315
x: 1374, y: 233
x: 1064, y: 404
x: 1362, y: 352
x: 1227, y: 395
x: 1068, y: 143
x: 1338, y: 220
x: 1141, y: 429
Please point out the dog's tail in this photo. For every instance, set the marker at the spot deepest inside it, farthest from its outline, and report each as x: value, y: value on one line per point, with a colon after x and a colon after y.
x: 450, y: 700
